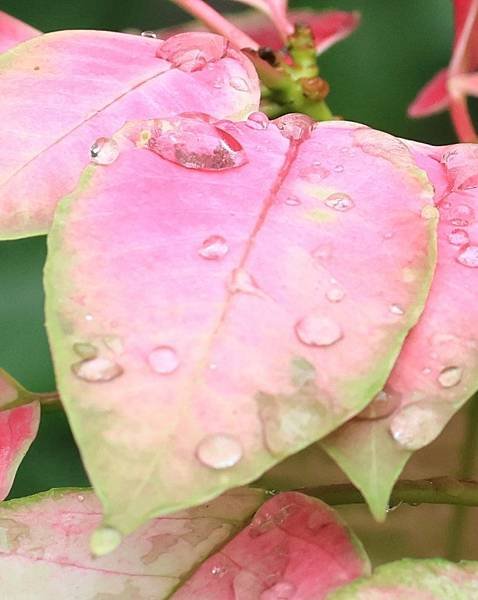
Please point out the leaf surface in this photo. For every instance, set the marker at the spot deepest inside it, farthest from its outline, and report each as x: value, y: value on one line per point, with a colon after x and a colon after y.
x: 13, y: 31
x: 232, y: 314
x: 62, y: 91
x: 437, y: 370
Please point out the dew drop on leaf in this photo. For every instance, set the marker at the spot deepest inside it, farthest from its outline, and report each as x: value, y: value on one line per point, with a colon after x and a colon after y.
x: 415, y: 426
x: 292, y: 201
x: 218, y: 571
x: 195, y: 144
x: 149, y: 34
x: 261, y: 523
x: 294, y: 126
x: 178, y: 51
x: 239, y: 84
x: 163, y: 360
x: 113, y: 343
x: 104, y: 151
x: 335, y: 294
x: 338, y: 168
x: 213, y: 247
x: 450, y: 376
x: 468, y: 256
x: 219, y: 451
x: 97, y: 369
x: 396, y: 309
x: 257, y: 120
x: 458, y: 237
x: 242, y: 281
x: 339, y: 201
x: 104, y: 540
x: 317, y: 330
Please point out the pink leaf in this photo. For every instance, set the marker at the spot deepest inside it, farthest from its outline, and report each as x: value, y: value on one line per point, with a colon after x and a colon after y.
x: 222, y: 277
x: 437, y: 370
x: 433, y: 98
x: 18, y: 429
x: 63, y: 90
x: 295, y: 548
x: 13, y: 31
x: 276, y: 10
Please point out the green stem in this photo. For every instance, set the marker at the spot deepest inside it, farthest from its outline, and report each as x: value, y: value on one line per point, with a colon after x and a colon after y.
x: 436, y: 490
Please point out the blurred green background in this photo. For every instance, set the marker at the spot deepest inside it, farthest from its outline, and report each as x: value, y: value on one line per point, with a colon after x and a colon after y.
x: 373, y: 75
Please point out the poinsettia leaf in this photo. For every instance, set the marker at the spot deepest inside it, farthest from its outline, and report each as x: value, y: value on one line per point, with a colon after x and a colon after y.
x: 61, y: 91
x: 13, y: 31
x: 433, y: 98
x: 295, y: 547
x: 276, y: 10
x: 407, y: 579
x: 44, y: 546
x: 437, y: 370
x: 213, y: 273
x: 18, y: 428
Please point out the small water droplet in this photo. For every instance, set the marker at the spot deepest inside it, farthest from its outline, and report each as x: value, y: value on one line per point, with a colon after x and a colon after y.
x: 461, y: 215
x: 458, y: 237
x: 213, y: 247
x: 88, y: 317
x: 335, y: 294
x: 183, y: 53
x: 163, y: 360
x: 261, y: 524
x: 242, y: 281
x: 195, y: 144
x: 396, y: 309
x: 450, y: 376
x: 318, y: 330
x: 415, y: 426
x: 382, y: 405
x: 339, y: 201
x: 468, y: 256
x: 391, y: 507
x: 85, y: 350
x: 239, y: 84
x: 429, y: 212
x: 218, y: 571
x: 283, y: 590
x: 113, y: 343
x: 80, y: 498
x: 339, y: 168
x: 104, y: 151
x: 97, y: 369
x: 104, y: 540
x: 149, y: 34
x: 292, y: 201
x: 257, y: 120
x: 294, y: 126
x: 219, y: 451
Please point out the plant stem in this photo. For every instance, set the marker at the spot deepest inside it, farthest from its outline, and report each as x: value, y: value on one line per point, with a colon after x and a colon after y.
x: 436, y: 490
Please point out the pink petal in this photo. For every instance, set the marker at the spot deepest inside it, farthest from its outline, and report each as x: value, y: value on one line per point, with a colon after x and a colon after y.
x: 276, y: 10
x: 295, y: 548
x: 13, y: 31
x: 437, y: 370
x: 63, y: 90
x: 229, y: 263
x: 431, y: 99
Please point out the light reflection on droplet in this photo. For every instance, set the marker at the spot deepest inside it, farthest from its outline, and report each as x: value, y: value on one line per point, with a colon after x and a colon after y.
x: 219, y: 451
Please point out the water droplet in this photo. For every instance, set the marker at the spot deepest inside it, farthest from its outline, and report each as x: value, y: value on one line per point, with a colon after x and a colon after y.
x: 292, y: 201
x: 450, y: 376
x: 391, y: 507
x: 339, y: 201
x: 257, y: 120
x: 149, y: 34
x: 239, y: 84
x: 468, y: 256
x: 163, y: 360
x: 339, y: 168
x: 335, y: 294
x: 218, y: 571
x: 294, y: 126
x: 241, y: 281
x: 104, y: 540
x: 426, y: 370
x: 415, y: 426
x: 382, y: 405
x: 85, y: 350
x: 260, y: 524
x: 317, y: 330
x: 213, y: 247
x: 80, y: 498
x: 88, y: 317
x: 283, y: 590
x: 195, y: 144
x: 97, y: 369
x: 461, y: 215
x: 113, y: 343
x: 396, y: 309
x: 186, y: 54
x: 430, y: 212
x: 314, y: 174
x: 219, y: 451
x: 104, y: 151
x: 458, y: 237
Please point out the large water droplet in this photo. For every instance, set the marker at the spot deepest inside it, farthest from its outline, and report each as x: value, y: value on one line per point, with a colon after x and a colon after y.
x: 85, y: 350
x: 104, y: 151
x: 468, y: 256
x: 450, y: 376
x: 213, y: 247
x: 257, y: 120
x: 163, y: 360
x: 382, y: 405
x: 458, y: 237
x: 104, y: 540
x: 415, y: 426
x: 335, y: 294
x: 186, y: 57
x: 242, y: 281
x: 318, y: 330
x: 396, y: 309
x: 339, y: 201
x: 149, y: 34
x: 239, y: 84
x: 97, y: 369
x: 461, y: 215
x: 294, y: 126
x: 195, y: 144
x: 219, y: 451
x: 283, y: 590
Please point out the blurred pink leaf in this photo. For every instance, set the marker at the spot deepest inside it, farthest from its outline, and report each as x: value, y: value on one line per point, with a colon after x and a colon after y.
x: 13, y: 31
x: 433, y: 98
x: 18, y: 429
x: 212, y: 300
x: 63, y: 90
x: 437, y: 370
x: 276, y: 10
